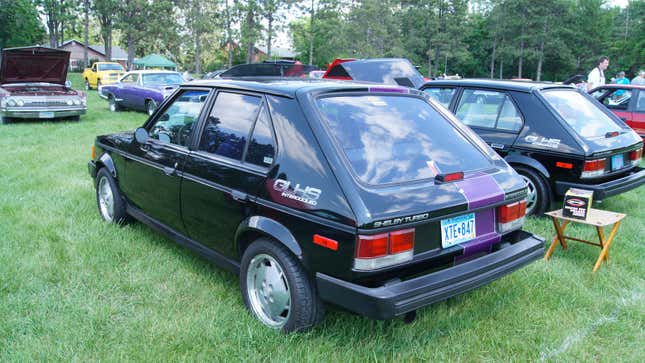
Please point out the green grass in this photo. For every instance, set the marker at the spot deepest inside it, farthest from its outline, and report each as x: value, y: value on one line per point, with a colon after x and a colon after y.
x: 73, y: 288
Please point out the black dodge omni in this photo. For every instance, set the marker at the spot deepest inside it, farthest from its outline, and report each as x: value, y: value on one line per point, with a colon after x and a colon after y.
x: 555, y: 136
x: 368, y: 197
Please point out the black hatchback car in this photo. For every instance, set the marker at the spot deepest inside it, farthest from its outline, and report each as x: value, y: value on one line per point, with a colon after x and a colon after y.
x: 555, y: 136
x: 368, y: 197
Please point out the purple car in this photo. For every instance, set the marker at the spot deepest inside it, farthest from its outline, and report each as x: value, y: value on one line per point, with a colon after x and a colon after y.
x: 141, y: 90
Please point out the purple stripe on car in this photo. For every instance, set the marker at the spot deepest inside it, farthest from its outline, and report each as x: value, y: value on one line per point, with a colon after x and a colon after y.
x: 486, y: 236
x: 480, y: 191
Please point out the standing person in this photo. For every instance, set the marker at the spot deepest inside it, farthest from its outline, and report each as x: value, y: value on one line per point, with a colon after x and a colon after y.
x: 640, y: 78
x: 620, y: 78
x: 596, y: 77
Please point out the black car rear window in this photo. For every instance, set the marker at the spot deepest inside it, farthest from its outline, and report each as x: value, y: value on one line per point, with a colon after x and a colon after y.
x: 397, y: 71
x: 584, y: 116
x: 397, y: 138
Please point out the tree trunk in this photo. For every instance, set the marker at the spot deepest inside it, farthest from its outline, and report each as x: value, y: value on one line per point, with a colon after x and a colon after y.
x: 521, y: 60
x: 86, y: 32
x: 541, y: 53
x: 311, y: 34
x: 131, y: 47
x: 430, y: 63
x: 269, y: 35
x: 198, y: 54
x: 501, y: 68
x: 492, y: 59
x: 250, y: 47
x: 229, y: 43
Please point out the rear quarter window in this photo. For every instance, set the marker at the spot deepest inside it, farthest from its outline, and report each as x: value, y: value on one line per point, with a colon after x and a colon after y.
x: 391, y: 139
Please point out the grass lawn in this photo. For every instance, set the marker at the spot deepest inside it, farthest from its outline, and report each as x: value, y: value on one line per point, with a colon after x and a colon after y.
x: 73, y: 288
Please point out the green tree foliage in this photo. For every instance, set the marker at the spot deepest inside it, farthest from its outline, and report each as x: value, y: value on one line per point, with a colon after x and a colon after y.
x: 19, y: 24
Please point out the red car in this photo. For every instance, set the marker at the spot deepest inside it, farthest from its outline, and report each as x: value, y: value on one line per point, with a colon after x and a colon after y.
x: 626, y: 101
x: 33, y: 85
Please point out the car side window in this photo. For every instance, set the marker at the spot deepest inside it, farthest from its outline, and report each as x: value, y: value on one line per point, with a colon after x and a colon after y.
x: 262, y: 148
x: 491, y: 109
x: 229, y: 124
x: 130, y: 79
x: 441, y: 95
x: 640, y: 102
x: 175, y: 123
x: 509, y: 117
x: 618, y: 99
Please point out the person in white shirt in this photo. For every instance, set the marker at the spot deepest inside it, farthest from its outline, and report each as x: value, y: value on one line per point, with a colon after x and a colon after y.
x: 596, y: 77
x: 640, y: 78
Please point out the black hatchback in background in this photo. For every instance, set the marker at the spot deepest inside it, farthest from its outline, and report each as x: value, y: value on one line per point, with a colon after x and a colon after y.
x: 369, y: 197
x: 555, y: 136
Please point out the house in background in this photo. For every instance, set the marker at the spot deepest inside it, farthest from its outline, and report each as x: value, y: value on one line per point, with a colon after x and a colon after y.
x: 94, y: 53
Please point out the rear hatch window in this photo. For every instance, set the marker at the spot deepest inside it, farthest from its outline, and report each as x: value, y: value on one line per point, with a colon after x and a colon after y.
x: 585, y: 117
x: 397, y: 138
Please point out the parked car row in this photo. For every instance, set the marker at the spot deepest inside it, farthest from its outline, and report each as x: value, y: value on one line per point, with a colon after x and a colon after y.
x: 555, y: 136
x: 379, y: 197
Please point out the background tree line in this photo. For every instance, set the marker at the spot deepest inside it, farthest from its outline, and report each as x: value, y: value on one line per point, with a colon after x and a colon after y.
x: 547, y: 40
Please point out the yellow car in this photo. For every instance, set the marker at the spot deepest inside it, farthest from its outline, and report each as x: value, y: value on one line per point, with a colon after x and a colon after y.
x: 102, y: 73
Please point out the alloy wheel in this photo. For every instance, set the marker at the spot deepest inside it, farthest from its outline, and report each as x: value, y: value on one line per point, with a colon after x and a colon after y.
x: 106, y: 199
x: 268, y: 291
x: 531, y: 197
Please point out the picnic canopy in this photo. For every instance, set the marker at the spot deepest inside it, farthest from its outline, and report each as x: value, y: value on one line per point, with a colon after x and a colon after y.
x: 154, y: 61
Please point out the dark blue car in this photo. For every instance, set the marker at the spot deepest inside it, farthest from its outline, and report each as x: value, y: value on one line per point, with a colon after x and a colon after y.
x: 141, y: 90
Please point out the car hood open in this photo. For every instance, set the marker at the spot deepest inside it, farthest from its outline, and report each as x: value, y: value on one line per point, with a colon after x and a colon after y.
x: 34, y: 64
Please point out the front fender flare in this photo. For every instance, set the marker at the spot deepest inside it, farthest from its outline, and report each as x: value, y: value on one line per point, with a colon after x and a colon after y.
x: 107, y: 162
x: 268, y: 227
x: 527, y: 161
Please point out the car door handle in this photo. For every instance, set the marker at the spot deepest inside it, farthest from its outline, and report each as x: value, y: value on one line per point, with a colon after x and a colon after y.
x: 239, y: 196
x: 169, y: 171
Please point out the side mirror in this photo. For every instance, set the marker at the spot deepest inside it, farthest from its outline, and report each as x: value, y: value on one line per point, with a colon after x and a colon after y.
x: 164, y: 117
x: 141, y: 135
x: 68, y: 84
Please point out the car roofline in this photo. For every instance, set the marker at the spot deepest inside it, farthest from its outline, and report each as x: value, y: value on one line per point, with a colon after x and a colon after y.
x: 521, y: 86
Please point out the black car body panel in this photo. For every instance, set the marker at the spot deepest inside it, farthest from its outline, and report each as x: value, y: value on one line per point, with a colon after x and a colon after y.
x: 546, y: 140
x: 303, y: 187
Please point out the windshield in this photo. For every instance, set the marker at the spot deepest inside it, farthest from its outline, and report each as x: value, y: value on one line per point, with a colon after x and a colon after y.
x: 110, y: 67
x: 158, y: 79
x: 389, y: 139
x: 585, y: 117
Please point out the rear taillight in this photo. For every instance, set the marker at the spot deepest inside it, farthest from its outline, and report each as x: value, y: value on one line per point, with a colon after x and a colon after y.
x: 384, y: 249
x: 593, y: 168
x: 636, y: 156
x: 511, y: 216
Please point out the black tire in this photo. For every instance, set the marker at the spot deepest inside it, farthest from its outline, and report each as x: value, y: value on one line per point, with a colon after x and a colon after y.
x: 87, y: 85
x: 151, y: 106
x: 113, y: 105
x: 4, y: 120
x: 117, y: 214
x: 305, y: 309
x: 538, y: 187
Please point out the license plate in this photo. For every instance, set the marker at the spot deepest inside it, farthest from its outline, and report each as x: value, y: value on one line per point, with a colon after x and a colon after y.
x: 457, y: 230
x: 45, y: 115
x: 617, y: 162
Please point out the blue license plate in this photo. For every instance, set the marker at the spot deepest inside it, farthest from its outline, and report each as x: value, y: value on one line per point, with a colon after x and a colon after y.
x: 457, y: 230
x: 617, y: 162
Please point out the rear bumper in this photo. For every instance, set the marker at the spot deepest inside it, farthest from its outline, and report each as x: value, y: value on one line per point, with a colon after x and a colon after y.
x: 42, y: 113
x: 398, y: 298
x: 630, y: 181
